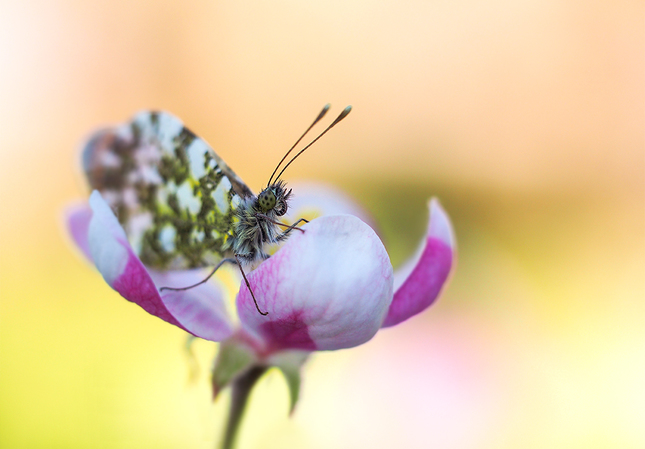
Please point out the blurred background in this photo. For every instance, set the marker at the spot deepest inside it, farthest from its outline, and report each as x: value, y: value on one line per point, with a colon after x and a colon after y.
x: 526, y: 119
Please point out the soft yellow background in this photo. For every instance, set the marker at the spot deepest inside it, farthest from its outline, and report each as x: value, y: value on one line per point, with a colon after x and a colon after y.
x: 527, y: 120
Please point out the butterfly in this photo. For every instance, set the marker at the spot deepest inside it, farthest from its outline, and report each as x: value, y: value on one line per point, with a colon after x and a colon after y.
x: 179, y: 203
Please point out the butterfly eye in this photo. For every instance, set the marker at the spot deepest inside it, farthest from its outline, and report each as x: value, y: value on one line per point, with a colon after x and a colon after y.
x: 281, y: 209
x: 267, y: 201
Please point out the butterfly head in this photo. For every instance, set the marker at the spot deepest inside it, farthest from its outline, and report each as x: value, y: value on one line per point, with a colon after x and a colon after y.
x: 274, y: 198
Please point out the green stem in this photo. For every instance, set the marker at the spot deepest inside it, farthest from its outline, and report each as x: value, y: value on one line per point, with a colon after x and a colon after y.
x: 241, y: 389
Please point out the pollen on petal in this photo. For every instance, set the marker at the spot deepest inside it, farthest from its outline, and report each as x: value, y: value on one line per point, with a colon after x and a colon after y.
x: 311, y: 200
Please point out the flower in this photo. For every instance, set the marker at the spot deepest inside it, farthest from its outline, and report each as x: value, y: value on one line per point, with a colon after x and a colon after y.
x: 328, y: 288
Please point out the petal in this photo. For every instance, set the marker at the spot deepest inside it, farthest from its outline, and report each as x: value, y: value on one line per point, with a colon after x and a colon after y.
x: 199, y: 310
x: 311, y: 200
x: 78, y: 222
x: 327, y: 288
x: 419, y: 282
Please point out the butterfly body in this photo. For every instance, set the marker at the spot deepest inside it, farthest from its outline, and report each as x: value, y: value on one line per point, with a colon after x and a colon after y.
x: 179, y: 203
x: 254, y: 227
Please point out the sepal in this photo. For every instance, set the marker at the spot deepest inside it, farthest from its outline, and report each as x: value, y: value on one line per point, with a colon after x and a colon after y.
x: 290, y: 364
x: 233, y: 359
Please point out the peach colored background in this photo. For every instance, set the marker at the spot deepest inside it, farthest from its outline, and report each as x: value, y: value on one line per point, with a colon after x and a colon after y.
x: 526, y: 118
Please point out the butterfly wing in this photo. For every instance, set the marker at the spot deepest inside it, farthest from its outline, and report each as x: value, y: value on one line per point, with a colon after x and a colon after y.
x: 173, y: 195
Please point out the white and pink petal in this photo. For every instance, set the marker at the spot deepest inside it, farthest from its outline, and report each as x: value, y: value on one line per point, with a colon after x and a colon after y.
x: 327, y: 288
x: 199, y: 310
x: 78, y: 218
x: 420, y: 281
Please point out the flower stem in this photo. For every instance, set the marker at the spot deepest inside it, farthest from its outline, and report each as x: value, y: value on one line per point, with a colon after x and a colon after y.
x: 241, y: 389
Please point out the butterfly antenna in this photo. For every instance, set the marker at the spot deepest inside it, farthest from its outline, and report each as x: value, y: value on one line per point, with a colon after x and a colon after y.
x: 320, y: 116
x: 342, y: 115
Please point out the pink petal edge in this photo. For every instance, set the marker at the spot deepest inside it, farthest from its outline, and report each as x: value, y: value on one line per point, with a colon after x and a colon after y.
x: 326, y: 289
x: 419, y: 282
x: 199, y: 311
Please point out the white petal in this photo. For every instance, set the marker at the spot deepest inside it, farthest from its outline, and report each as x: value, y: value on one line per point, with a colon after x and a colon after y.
x: 328, y: 288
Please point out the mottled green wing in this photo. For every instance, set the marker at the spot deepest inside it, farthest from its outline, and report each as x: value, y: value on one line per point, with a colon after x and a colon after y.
x: 173, y: 195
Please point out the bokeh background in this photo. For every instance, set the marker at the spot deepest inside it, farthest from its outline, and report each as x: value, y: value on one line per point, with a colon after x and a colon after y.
x: 527, y: 120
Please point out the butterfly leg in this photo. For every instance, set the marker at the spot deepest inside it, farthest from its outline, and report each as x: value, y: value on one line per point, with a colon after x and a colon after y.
x: 239, y: 264
x: 286, y: 232
x: 289, y: 227
x: 235, y: 261
x: 222, y: 262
